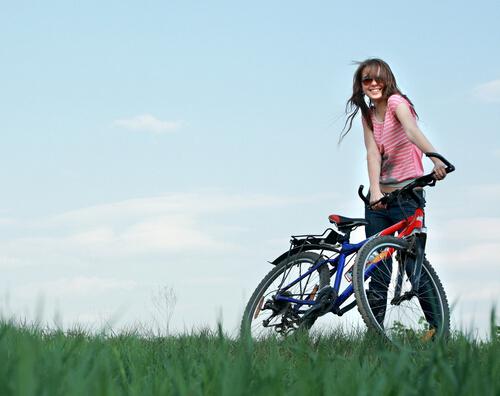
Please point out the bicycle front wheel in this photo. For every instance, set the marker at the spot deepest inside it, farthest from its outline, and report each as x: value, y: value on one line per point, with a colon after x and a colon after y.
x: 382, y: 287
x: 267, y: 313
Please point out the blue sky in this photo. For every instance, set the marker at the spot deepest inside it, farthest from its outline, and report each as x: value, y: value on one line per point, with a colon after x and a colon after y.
x: 178, y: 144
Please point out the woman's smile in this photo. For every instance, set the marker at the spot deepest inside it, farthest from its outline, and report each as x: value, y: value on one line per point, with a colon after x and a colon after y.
x: 374, y: 92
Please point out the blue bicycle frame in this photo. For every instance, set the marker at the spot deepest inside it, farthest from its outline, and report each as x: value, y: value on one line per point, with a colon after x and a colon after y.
x: 338, y: 262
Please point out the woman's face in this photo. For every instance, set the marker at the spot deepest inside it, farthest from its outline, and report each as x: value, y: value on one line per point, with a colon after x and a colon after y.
x: 372, y: 84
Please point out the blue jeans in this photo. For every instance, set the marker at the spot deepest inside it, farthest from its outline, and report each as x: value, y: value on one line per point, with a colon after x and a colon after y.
x: 379, y: 220
x: 394, y: 213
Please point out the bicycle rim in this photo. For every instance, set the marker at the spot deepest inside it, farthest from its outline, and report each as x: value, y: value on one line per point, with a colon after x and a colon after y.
x: 420, y: 318
x: 265, y: 316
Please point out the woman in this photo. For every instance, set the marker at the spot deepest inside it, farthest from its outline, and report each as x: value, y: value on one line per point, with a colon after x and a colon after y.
x: 394, y: 142
x: 394, y: 145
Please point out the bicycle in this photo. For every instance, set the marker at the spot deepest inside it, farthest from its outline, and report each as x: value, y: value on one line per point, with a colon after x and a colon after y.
x: 410, y: 302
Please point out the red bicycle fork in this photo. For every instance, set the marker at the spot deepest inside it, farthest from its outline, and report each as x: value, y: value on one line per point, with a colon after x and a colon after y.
x: 412, y: 227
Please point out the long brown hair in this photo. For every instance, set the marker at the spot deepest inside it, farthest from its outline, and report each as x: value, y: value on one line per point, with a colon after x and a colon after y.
x: 377, y: 67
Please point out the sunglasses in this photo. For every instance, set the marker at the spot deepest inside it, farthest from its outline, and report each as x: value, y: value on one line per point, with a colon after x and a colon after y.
x: 369, y: 80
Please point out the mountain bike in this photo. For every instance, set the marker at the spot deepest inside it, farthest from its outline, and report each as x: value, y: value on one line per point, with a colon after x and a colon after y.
x: 397, y: 291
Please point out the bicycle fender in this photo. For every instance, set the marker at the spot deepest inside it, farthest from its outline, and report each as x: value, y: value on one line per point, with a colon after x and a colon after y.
x: 300, y: 249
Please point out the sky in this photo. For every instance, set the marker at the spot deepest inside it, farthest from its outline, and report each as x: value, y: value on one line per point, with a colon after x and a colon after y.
x: 156, y: 155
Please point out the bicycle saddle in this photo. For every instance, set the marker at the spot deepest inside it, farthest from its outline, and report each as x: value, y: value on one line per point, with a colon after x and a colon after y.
x: 346, y: 222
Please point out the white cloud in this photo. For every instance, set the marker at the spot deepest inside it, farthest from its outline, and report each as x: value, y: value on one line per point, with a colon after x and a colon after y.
x: 192, y: 204
x: 77, y: 286
x: 465, y: 244
x: 148, y: 123
x: 446, y: 204
x: 476, y: 290
x: 488, y: 92
x: 10, y: 262
x: 475, y: 229
x: 461, y: 257
x: 111, y: 240
x: 486, y: 191
x: 136, y: 228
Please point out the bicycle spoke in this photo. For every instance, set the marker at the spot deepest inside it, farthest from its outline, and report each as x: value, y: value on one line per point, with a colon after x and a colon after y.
x: 269, y: 315
x: 387, y: 300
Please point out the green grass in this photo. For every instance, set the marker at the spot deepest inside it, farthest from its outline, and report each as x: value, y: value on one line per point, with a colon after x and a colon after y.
x: 37, y: 362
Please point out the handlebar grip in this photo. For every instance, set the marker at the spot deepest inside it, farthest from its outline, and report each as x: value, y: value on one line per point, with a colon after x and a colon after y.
x: 362, y: 196
x: 449, y: 166
x: 365, y: 199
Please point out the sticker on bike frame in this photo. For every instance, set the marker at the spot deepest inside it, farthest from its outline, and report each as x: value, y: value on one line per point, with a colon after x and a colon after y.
x: 381, y: 256
x: 348, y: 273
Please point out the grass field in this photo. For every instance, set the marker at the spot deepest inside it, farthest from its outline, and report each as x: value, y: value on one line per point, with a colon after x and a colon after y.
x: 38, y: 362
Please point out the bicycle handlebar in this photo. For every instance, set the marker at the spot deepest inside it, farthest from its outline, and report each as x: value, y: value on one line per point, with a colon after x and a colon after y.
x: 449, y: 167
x: 425, y: 180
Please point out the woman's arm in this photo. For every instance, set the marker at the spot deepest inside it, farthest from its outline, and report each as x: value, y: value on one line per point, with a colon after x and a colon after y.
x: 374, y: 161
x: 416, y: 136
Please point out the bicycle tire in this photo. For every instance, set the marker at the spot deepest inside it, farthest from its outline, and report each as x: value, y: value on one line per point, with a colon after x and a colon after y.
x: 254, y: 315
x: 421, y: 318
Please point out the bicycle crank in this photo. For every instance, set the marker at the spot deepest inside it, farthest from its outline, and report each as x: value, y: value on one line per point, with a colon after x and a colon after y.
x: 324, y: 301
x: 407, y: 296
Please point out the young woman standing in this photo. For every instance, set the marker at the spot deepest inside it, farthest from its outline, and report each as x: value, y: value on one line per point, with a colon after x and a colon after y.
x: 394, y: 145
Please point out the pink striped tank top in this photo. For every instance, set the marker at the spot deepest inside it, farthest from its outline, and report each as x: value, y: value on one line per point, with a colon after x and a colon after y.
x: 401, y: 159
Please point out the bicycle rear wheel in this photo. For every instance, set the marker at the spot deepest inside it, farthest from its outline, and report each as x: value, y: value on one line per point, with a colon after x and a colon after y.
x: 381, y: 277
x: 265, y: 315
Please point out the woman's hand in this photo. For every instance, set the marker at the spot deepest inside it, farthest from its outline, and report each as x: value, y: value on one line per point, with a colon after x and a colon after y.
x: 374, y: 197
x: 439, y: 169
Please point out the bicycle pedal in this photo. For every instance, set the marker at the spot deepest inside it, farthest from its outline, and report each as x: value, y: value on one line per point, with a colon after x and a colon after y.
x: 403, y: 297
